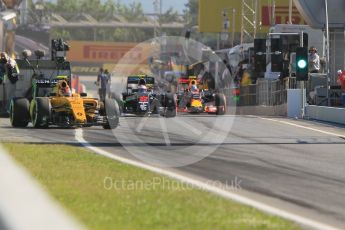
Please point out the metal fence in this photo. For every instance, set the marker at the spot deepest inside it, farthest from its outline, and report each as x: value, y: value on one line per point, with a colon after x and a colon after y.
x: 274, y: 92
x: 266, y: 92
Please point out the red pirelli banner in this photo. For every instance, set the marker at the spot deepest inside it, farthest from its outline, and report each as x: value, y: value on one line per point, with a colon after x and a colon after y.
x: 281, y: 15
x: 108, y: 52
x: 211, y: 17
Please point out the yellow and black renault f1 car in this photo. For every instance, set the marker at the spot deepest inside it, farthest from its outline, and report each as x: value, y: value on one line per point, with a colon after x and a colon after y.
x: 54, y: 104
x: 141, y: 99
x: 47, y: 99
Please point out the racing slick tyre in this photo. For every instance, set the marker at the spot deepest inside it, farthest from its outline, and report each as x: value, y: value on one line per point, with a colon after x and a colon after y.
x: 112, y: 113
x: 170, y: 105
x: 40, y: 112
x: 118, y: 99
x: 19, y: 112
x: 220, y: 103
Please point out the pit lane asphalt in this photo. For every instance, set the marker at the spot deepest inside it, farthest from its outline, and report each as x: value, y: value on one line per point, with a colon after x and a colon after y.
x: 296, y: 169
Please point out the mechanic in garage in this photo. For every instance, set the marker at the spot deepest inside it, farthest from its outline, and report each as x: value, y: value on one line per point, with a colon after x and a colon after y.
x: 9, y: 68
x: 104, y: 80
x: 2, y: 69
x: 106, y: 72
x: 314, y: 60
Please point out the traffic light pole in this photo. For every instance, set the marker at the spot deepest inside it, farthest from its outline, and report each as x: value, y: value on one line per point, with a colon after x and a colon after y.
x: 327, y: 57
x: 303, y: 83
x: 303, y: 98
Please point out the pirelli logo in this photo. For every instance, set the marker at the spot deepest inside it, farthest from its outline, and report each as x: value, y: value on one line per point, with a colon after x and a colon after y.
x: 111, y: 53
x: 107, y: 52
x: 281, y: 15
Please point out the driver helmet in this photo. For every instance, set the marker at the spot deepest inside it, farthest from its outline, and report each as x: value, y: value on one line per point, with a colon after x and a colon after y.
x: 141, y: 82
x: 142, y: 85
x: 194, y: 87
x: 64, y: 89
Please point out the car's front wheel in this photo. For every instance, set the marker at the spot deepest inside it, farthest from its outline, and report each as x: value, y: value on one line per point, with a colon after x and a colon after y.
x: 220, y: 102
x: 112, y: 113
x: 170, y: 105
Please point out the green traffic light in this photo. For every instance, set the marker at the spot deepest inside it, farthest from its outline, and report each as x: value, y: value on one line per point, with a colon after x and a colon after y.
x: 302, y: 64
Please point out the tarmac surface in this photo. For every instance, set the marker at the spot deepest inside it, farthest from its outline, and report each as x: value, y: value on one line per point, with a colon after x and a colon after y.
x: 294, y: 165
x: 294, y: 168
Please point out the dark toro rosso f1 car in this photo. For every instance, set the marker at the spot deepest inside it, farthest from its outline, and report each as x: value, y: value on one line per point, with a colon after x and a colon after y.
x: 140, y: 98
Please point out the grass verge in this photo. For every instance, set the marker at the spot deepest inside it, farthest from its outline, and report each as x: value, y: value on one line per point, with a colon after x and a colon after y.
x: 105, y: 194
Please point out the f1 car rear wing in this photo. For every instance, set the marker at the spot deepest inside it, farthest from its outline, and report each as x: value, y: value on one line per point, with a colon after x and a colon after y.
x: 135, y: 80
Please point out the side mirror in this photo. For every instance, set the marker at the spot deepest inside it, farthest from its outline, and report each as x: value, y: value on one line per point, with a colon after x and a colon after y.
x: 83, y: 94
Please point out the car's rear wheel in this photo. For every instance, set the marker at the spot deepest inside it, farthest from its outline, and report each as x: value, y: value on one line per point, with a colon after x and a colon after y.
x: 19, y: 112
x: 40, y: 112
x: 112, y: 113
x: 220, y: 102
x: 170, y: 105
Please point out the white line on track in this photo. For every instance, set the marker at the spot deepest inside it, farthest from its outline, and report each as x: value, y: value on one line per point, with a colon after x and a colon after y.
x: 302, y: 126
x: 207, y: 187
x: 164, y: 131
x: 142, y: 124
